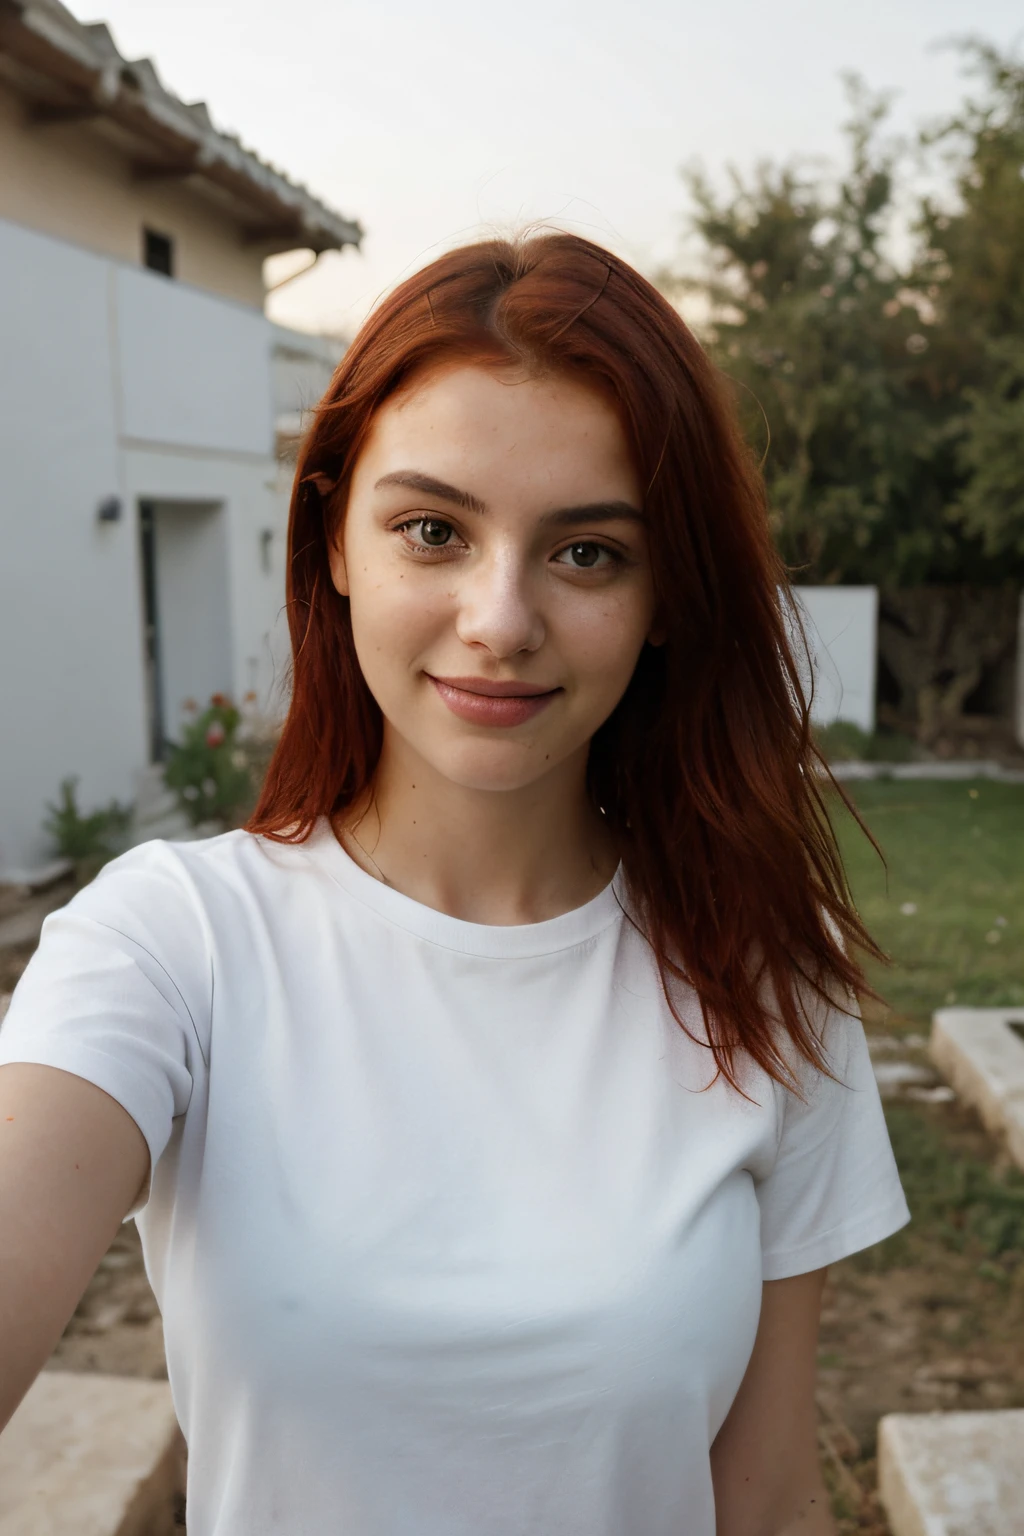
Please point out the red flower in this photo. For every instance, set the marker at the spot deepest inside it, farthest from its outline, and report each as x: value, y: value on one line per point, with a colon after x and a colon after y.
x: 216, y: 734
x: 218, y: 700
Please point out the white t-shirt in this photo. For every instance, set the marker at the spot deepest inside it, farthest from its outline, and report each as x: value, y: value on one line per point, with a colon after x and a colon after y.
x: 449, y: 1233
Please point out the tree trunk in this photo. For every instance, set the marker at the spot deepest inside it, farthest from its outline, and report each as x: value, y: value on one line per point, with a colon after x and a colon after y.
x: 938, y: 641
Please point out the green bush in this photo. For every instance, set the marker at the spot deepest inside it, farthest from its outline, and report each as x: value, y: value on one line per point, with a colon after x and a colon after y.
x: 844, y: 742
x: 891, y: 747
x: 208, y: 770
x: 90, y: 841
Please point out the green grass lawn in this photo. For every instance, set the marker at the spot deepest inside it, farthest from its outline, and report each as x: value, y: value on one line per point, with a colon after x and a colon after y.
x: 950, y: 908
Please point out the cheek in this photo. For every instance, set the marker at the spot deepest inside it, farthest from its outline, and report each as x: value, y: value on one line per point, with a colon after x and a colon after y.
x: 604, y: 635
x: 394, y: 615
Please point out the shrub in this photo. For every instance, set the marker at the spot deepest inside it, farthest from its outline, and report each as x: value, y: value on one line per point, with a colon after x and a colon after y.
x: 844, y: 742
x: 207, y: 769
x: 892, y: 747
x: 90, y: 841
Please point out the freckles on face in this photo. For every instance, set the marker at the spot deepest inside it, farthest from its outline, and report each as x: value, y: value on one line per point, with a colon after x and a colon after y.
x: 493, y: 539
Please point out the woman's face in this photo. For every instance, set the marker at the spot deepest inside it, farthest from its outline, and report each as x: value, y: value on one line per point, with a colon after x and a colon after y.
x: 496, y: 562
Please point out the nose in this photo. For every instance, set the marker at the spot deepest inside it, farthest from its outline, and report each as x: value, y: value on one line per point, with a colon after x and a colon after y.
x: 496, y: 608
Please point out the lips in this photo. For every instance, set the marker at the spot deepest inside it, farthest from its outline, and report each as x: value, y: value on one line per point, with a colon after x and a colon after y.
x: 484, y: 702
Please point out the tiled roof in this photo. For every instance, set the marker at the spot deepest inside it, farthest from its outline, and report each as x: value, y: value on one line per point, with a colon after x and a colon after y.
x: 70, y: 70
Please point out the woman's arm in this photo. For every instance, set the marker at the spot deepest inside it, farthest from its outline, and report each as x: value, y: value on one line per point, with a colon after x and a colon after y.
x: 765, y: 1458
x: 71, y: 1163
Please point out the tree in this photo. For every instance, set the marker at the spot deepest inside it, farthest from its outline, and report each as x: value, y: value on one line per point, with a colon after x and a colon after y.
x: 815, y: 324
x: 991, y: 505
x: 888, y: 396
x: 970, y: 267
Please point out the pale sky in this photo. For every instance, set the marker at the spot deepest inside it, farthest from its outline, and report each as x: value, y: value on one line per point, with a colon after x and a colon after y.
x: 434, y: 121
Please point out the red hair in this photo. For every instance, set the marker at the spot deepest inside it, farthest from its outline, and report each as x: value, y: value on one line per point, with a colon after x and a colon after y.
x: 706, y: 771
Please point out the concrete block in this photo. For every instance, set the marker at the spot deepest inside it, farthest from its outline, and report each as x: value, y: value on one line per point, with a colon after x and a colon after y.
x: 977, y: 1051
x: 90, y: 1455
x: 38, y: 879
x: 23, y: 926
x: 952, y: 1474
x: 965, y: 769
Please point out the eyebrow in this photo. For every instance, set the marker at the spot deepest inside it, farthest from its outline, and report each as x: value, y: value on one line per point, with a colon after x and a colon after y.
x: 414, y: 480
x: 589, y: 512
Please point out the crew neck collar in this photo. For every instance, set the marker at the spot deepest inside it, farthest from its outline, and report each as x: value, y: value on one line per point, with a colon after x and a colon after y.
x: 566, y: 931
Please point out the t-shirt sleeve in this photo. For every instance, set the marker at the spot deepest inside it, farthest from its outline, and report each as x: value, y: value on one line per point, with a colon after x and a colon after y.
x: 834, y: 1187
x: 119, y: 992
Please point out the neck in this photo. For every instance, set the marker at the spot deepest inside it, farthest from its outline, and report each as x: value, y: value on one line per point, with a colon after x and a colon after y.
x: 486, y: 856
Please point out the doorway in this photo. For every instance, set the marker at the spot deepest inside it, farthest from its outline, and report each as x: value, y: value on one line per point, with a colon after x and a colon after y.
x: 186, y: 612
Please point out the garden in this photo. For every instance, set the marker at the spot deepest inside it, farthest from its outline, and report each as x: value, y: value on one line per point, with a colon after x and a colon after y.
x: 934, y: 1317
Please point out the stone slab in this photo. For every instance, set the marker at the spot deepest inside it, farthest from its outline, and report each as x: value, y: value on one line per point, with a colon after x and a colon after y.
x: 952, y: 1474
x: 90, y: 1455
x: 961, y: 769
x: 976, y: 1051
x: 38, y: 879
x: 21, y: 927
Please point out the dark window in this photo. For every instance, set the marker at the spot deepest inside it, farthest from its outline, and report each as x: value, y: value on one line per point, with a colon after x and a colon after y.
x: 158, y: 252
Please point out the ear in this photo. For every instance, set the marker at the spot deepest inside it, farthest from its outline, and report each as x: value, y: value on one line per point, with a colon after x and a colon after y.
x: 325, y: 486
x: 657, y: 635
x: 336, y: 561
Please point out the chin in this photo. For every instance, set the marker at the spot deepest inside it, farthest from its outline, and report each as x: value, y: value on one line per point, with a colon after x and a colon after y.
x: 495, y: 766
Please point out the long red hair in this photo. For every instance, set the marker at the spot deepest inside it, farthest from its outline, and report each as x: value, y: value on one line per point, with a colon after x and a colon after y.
x: 706, y: 771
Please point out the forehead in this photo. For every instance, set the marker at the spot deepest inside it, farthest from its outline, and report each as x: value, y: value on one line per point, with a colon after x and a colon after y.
x: 485, y: 429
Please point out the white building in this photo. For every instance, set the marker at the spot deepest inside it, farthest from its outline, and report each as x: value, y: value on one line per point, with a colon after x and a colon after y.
x: 142, y: 505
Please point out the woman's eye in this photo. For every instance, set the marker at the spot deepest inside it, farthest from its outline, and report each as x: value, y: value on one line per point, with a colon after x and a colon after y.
x: 433, y: 532
x: 585, y: 556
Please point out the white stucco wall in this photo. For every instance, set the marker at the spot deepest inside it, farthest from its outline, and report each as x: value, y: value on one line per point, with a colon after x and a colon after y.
x: 118, y: 382
x: 71, y: 689
x: 303, y: 368
x: 841, y: 625
x: 164, y: 330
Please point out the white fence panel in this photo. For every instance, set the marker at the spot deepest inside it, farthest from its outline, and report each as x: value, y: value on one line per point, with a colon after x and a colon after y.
x: 841, y: 624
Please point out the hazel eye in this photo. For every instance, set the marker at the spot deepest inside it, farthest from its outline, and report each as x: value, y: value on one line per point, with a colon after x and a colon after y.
x: 427, y: 532
x: 434, y: 532
x: 585, y: 556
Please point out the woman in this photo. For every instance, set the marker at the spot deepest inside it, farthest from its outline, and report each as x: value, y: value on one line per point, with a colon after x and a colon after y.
x: 492, y: 1105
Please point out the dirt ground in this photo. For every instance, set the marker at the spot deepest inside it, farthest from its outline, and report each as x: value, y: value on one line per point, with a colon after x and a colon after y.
x: 116, y: 1328
x: 908, y: 1341
x: 21, y: 913
x: 929, y: 1320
